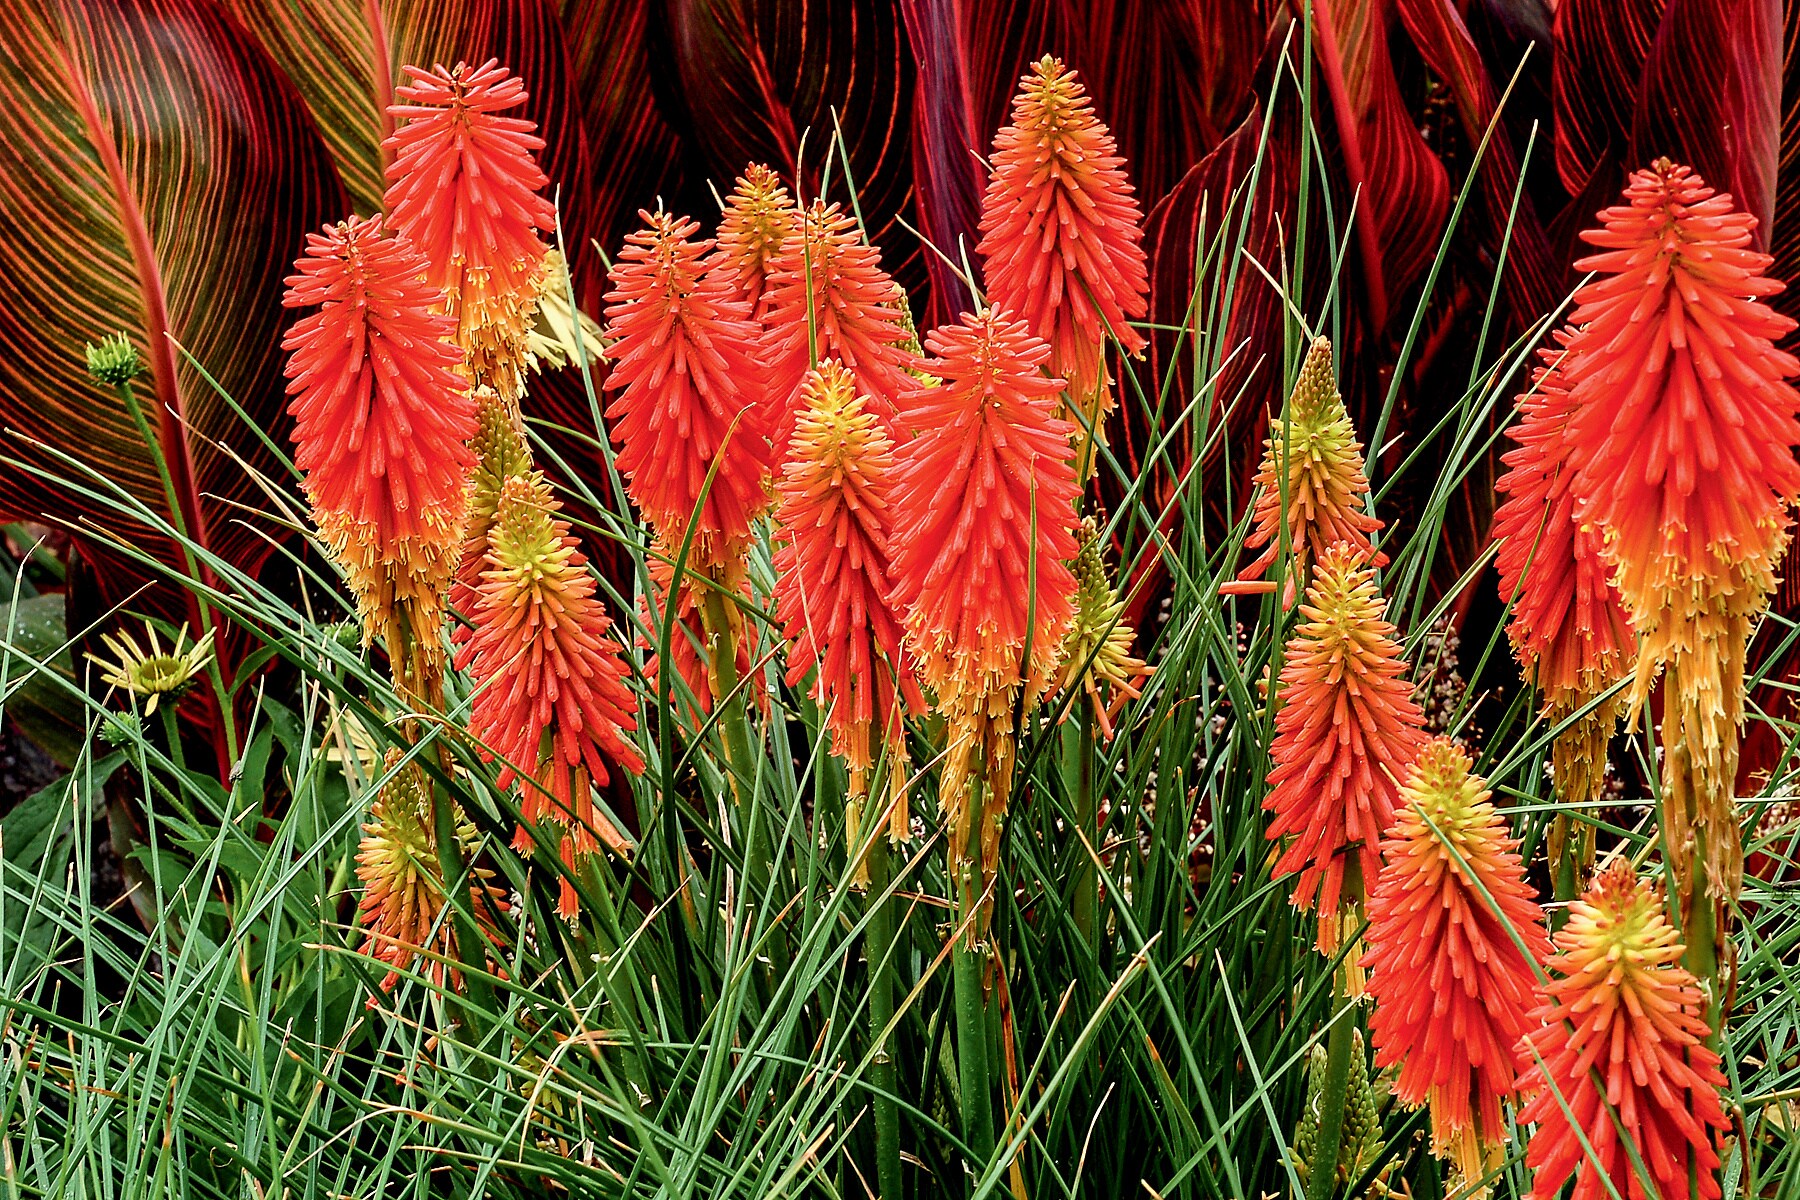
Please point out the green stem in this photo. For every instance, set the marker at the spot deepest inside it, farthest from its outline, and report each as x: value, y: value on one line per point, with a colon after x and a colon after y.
x: 1078, y: 768
x: 470, y: 944
x: 204, y: 617
x: 1322, y: 1178
x: 172, y: 733
x: 883, y: 1074
x: 722, y: 645
x: 966, y: 963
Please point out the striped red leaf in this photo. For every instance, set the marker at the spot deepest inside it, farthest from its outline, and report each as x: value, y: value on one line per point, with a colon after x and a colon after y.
x: 158, y: 174
x: 345, y: 57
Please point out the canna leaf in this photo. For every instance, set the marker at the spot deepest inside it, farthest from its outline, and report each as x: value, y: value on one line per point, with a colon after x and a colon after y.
x: 345, y: 57
x: 1599, y: 48
x: 759, y: 77
x: 159, y: 174
x: 1728, y: 130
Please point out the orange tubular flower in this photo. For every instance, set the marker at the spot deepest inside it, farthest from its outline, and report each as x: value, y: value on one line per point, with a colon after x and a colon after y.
x: 1346, y: 732
x: 984, y: 526
x: 687, y: 366
x: 1453, y: 993
x: 1568, y: 627
x: 1313, y: 464
x: 687, y: 635
x: 380, y: 422
x: 403, y: 885
x: 833, y: 593
x: 758, y: 216
x: 542, y: 663
x: 1061, y: 232
x: 828, y: 295
x: 463, y: 187
x: 500, y: 454
x: 1623, y: 1009
x: 1682, y: 437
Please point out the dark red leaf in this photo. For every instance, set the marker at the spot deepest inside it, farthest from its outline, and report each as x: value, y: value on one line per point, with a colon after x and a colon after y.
x: 158, y: 174
x: 1403, y: 190
x: 1711, y: 98
x: 760, y: 77
x: 1533, y: 280
x: 1597, y: 67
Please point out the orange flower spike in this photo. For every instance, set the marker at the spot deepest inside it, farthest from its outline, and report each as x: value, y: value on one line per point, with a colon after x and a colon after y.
x: 380, y: 424
x: 833, y: 591
x: 403, y: 884
x: 1313, y: 461
x: 1683, y: 422
x: 463, y: 186
x: 687, y: 366
x: 1623, y: 1009
x: 1682, y: 436
x: 1346, y: 733
x: 500, y: 454
x: 990, y: 465
x: 828, y: 297
x: 542, y: 663
x: 1453, y: 993
x: 380, y: 416
x: 1062, y: 233
x: 1568, y: 627
x: 464, y: 183
x: 758, y: 216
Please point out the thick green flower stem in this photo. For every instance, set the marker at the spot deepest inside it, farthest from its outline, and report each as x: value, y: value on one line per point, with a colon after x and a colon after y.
x: 884, y: 1076
x: 967, y: 961
x: 1078, y: 777
x: 1340, y: 1043
x: 721, y: 634
x: 1696, y: 912
x: 470, y: 945
x: 204, y: 616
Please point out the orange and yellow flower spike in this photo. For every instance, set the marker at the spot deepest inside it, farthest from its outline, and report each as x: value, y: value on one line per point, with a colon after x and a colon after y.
x: 1453, y: 992
x: 688, y: 370
x: 381, y: 422
x: 1568, y: 627
x: 984, y: 527
x: 1622, y: 1044
x: 834, y: 595
x: 1062, y: 236
x: 1311, y: 483
x: 1682, y: 436
x: 463, y: 186
x: 551, y: 700
x: 1346, y: 733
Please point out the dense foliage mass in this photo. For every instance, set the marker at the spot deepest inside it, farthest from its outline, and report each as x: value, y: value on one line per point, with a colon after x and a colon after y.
x: 920, y: 672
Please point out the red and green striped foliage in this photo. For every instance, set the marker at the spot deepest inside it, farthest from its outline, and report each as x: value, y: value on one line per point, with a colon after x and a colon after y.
x: 158, y: 175
x: 639, y: 100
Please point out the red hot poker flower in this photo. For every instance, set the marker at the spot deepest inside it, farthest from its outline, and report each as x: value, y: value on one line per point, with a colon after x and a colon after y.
x: 984, y: 505
x: 551, y: 699
x: 1061, y: 232
x: 833, y: 594
x: 1453, y: 993
x: 1311, y: 483
x: 1346, y: 733
x: 829, y: 296
x: 464, y: 187
x: 381, y: 419
x: 1682, y: 437
x: 984, y: 527
x: 687, y: 367
x: 1624, y: 1009
x: 759, y: 215
x: 464, y: 183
